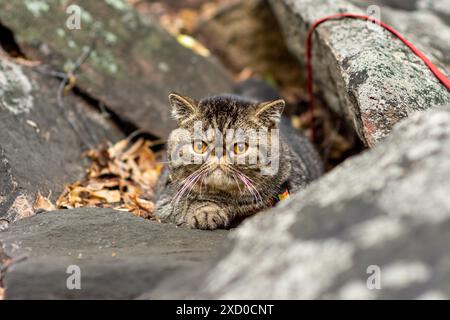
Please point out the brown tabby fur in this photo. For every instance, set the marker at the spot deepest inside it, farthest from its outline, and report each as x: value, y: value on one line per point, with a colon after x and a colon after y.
x: 219, y: 197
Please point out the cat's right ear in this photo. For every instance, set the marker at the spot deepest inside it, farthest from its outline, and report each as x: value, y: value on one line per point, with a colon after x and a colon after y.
x: 183, y: 107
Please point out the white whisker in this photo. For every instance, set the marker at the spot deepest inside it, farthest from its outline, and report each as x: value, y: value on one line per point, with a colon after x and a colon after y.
x: 190, y: 181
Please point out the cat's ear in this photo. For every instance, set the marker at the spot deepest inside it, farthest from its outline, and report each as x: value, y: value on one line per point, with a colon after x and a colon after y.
x: 183, y: 107
x: 270, y: 112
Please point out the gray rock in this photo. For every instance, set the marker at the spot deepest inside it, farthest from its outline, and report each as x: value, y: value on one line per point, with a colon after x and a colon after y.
x: 409, y: 5
x: 119, y: 255
x: 39, y: 149
x: 362, y: 71
x: 419, y: 24
x: 439, y: 7
x: 135, y: 64
x: 385, y: 211
x: 420, y: 28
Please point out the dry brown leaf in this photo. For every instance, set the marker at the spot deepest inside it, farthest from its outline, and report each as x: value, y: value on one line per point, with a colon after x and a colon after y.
x: 189, y: 19
x: 117, y: 149
x: 245, y: 74
x: 146, y: 157
x: 70, y: 84
x: 62, y: 202
x: 109, y: 196
x: 144, y: 204
x: 139, y: 207
x: 43, y: 203
x: 131, y: 152
x: 99, y: 184
x: 150, y: 177
x: 121, y: 176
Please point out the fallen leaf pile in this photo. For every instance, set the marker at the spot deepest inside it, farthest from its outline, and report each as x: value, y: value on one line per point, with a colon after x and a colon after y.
x: 121, y: 176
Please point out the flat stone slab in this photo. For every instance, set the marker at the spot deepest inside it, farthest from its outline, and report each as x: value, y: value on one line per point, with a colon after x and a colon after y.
x: 40, y: 151
x: 120, y: 256
x: 439, y: 7
x: 134, y: 65
x: 419, y: 21
x: 376, y: 227
x: 362, y: 71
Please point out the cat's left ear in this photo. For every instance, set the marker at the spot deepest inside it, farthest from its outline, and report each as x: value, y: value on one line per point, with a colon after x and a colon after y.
x: 183, y: 107
x: 270, y: 112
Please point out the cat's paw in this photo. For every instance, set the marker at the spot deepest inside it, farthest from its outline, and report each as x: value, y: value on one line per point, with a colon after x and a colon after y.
x: 207, y: 217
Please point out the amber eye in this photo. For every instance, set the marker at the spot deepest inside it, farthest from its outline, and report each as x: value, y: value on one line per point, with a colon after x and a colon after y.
x: 240, y: 147
x: 199, y: 146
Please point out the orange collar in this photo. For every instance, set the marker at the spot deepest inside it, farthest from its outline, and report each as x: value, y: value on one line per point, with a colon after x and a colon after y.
x: 283, y: 196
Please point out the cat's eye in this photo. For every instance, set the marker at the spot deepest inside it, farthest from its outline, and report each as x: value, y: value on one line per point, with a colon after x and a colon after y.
x: 240, y: 147
x: 199, y: 146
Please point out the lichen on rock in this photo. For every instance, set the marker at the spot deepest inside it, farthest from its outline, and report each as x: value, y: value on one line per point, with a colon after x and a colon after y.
x: 15, y: 88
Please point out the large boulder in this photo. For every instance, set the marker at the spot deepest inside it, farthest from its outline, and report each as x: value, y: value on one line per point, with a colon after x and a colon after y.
x: 376, y: 227
x: 361, y: 70
x: 41, y: 140
x: 134, y: 63
x: 440, y: 7
x: 119, y: 256
x: 132, y: 67
x: 418, y: 22
x: 409, y: 5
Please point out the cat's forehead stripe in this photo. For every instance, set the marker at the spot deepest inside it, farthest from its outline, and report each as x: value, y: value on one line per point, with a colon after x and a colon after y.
x: 225, y: 111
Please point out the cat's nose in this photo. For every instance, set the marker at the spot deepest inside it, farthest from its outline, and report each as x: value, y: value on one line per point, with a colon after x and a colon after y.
x: 223, y: 160
x: 219, y: 159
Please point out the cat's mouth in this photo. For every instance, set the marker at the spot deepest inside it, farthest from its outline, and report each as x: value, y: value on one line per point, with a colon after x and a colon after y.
x: 221, y: 179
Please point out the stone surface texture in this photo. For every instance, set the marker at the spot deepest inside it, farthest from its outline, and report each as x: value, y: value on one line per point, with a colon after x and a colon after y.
x: 384, y: 213
x: 134, y: 64
x: 41, y: 142
x: 361, y: 70
x: 119, y: 255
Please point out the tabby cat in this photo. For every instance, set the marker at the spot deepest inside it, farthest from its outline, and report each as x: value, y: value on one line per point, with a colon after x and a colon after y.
x: 226, y: 161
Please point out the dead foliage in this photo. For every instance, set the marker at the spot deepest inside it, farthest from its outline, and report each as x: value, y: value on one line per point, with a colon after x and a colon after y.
x: 121, y: 176
x: 43, y: 203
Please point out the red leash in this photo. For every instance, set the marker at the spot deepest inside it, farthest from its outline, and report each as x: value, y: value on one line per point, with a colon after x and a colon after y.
x: 442, y: 78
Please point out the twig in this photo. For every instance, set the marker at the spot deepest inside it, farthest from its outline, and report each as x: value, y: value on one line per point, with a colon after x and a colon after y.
x: 8, y: 264
x: 43, y: 70
x: 11, y: 262
x: 67, y: 76
x: 134, y: 134
x: 137, y: 132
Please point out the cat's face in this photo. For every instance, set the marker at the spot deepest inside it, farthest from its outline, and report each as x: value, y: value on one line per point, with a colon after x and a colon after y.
x: 223, y: 144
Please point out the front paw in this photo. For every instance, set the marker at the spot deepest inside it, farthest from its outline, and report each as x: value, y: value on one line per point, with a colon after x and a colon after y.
x: 207, y: 217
